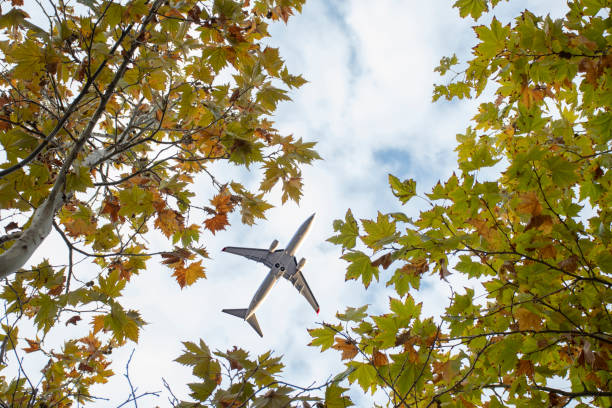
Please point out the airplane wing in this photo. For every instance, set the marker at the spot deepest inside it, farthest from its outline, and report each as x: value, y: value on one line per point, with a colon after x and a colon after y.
x: 297, y: 279
x: 254, y: 254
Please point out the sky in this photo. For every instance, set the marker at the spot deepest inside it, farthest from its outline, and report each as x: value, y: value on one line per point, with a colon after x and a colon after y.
x: 368, y: 106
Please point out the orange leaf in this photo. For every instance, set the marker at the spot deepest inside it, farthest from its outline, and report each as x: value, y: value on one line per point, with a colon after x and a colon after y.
x: 187, y: 276
x: 222, y: 202
x: 34, y: 346
x: 167, y: 222
x: 216, y: 223
x: 348, y: 348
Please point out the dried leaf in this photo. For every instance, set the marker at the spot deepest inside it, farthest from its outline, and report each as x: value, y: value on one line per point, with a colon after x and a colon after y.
x: 348, y: 348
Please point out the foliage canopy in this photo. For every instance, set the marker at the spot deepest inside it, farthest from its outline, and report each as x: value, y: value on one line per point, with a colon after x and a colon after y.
x: 110, y: 112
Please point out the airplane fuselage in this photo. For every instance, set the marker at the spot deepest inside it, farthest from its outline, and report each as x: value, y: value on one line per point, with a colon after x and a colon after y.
x: 284, y: 262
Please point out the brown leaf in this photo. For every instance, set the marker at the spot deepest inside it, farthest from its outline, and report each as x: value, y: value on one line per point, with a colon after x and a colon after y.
x: 529, y: 204
x: 570, y: 264
x: 11, y: 226
x: 34, y: 345
x: 556, y: 401
x: 194, y: 13
x: 527, y: 320
x: 415, y: 267
x: 73, y: 320
x: 542, y: 222
x: 548, y: 251
x: 56, y: 290
x: 111, y: 207
x: 348, y: 348
x: 234, y: 95
x: 586, y: 355
x: 379, y: 359
x: 484, y: 230
x: 383, y: 261
x: 86, y: 368
x: 525, y: 367
x: 444, y: 272
x: 178, y: 255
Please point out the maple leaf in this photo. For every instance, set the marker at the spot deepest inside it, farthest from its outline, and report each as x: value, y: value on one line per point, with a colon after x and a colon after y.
x: 216, y: 223
x: 167, y: 222
x: 525, y: 367
x: 527, y: 320
x: 348, y: 348
x: 34, y: 345
x: 529, y: 204
x: 179, y: 255
x: 223, y: 202
x: 187, y: 276
x: 379, y: 359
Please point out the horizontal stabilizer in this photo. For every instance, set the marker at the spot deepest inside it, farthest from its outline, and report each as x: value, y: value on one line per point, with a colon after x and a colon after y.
x: 241, y: 313
x: 236, y: 312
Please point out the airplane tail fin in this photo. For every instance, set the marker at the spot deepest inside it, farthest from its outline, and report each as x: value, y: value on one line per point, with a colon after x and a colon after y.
x: 241, y: 313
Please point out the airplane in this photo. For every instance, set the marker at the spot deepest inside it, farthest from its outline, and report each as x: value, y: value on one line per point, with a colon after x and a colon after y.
x: 281, y: 262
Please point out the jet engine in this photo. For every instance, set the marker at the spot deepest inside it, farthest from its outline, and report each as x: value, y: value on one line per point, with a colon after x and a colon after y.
x: 301, y: 264
x: 273, y: 245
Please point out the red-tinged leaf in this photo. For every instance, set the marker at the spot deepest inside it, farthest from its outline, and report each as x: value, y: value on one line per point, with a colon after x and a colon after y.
x: 187, y: 276
x: 73, y: 320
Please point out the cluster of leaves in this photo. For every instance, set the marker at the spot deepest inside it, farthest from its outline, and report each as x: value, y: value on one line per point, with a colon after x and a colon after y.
x: 108, y: 117
x: 537, y: 240
x: 233, y: 380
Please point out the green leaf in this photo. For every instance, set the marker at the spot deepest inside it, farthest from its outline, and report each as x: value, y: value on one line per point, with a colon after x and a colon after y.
x: 474, y: 8
x: 379, y: 232
x: 348, y: 231
x: 360, y: 267
x: 334, y: 397
x: 353, y: 314
x: 404, y: 190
